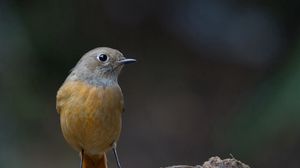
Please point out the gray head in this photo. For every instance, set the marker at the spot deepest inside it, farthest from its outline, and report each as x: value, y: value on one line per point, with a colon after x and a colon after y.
x: 99, y: 66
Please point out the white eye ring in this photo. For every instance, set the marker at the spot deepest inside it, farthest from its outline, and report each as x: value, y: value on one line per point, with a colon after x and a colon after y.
x: 102, y: 58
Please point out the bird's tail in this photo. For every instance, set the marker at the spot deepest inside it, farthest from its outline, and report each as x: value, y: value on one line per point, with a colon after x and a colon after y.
x: 94, y: 161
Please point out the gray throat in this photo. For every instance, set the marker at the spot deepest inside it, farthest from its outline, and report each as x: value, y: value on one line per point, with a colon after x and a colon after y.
x: 94, y: 79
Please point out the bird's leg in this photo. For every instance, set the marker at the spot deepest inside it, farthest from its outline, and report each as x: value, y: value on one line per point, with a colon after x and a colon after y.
x: 116, y: 154
x: 81, y: 158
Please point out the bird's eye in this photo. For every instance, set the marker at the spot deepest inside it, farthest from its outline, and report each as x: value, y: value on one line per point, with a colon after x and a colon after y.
x: 102, y: 57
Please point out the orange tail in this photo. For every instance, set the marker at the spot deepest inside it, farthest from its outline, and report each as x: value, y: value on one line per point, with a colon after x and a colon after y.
x: 94, y: 161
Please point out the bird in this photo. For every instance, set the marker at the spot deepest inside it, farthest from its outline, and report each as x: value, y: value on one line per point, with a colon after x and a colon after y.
x: 90, y: 105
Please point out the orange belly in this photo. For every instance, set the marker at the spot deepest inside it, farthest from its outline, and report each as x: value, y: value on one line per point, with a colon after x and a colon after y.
x: 90, y: 116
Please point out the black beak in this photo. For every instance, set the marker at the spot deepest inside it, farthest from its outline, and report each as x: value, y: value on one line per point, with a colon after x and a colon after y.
x: 127, y: 61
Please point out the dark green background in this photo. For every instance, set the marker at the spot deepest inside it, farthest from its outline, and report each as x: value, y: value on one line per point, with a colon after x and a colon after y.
x: 213, y: 77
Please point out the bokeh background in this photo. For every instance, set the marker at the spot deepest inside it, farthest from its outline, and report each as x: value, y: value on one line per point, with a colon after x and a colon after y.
x: 213, y: 77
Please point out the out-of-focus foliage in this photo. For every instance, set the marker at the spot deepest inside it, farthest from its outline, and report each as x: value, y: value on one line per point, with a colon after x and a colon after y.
x: 213, y: 77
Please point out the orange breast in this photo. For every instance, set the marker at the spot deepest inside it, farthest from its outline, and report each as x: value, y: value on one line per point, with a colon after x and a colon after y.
x: 90, y: 116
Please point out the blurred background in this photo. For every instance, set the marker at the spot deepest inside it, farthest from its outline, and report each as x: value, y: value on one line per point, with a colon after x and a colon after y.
x: 214, y: 77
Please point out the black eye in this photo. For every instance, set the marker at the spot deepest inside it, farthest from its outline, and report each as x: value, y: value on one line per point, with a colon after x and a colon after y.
x: 102, y: 57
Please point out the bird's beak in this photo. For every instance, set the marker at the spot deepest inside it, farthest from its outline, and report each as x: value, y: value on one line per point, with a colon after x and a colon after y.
x: 127, y: 61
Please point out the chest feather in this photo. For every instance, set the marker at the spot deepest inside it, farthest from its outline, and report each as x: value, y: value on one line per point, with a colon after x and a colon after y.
x: 79, y: 97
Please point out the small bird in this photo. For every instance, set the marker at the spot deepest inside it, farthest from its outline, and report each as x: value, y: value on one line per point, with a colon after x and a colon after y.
x: 90, y: 104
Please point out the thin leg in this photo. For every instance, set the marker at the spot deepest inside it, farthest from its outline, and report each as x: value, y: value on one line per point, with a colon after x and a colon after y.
x: 81, y: 158
x: 116, y: 154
